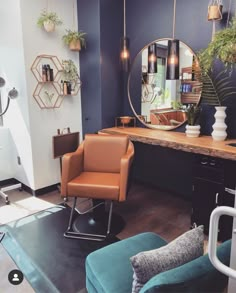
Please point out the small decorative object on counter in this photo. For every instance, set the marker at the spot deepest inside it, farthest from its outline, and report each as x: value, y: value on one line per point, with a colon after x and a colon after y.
x: 193, y: 127
x: 219, y: 127
x: 125, y: 121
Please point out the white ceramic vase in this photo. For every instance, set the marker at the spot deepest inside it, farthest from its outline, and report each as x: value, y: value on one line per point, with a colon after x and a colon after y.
x: 49, y: 26
x: 192, y: 130
x: 219, y: 127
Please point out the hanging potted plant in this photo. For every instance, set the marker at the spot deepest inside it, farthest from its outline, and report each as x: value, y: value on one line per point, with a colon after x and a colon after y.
x: 193, y: 127
x: 48, y: 20
x: 222, y: 47
x: 215, y: 8
x: 74, y: 39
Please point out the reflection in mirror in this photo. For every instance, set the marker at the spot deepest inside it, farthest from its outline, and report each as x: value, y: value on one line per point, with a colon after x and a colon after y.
x: 157, y: 102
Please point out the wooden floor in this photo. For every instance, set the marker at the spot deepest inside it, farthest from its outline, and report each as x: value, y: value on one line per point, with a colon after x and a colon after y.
x: 146, y: 209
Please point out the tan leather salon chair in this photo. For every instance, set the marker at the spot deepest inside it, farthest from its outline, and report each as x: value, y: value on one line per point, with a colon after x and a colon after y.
x: 99, y: 169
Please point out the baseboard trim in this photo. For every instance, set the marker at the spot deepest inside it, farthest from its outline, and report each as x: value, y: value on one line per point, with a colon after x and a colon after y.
x: 10, y: 181
x: 40, y: 191
x: 37, y: 192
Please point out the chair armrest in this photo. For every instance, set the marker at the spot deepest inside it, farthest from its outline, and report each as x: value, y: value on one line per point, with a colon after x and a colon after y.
x: 126, y: 162
x: 198, y: 275
x: 72, y: 166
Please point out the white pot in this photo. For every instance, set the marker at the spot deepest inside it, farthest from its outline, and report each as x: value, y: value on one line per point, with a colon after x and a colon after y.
x: 49, y: 26
x: 192, y: 130
x: 219, y: 127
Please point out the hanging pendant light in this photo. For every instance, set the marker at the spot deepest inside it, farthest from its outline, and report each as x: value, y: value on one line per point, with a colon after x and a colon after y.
x: 172, y: 71
x: 152, y: 58
x: 124, y: 54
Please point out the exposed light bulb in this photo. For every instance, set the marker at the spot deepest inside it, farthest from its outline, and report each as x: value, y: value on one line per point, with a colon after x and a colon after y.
x: 124, y: 54
x: 173, y: 60
x: 152, y: 58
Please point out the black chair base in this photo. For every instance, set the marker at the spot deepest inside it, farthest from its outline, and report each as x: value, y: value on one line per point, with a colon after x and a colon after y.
x: 94, y: 226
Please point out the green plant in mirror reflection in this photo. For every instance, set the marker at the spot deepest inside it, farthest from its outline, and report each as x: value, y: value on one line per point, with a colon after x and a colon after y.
x: 160, y: 97
x: 176, y: 105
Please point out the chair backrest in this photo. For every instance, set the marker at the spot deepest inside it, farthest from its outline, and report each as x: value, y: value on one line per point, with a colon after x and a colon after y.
x: 102, y: 153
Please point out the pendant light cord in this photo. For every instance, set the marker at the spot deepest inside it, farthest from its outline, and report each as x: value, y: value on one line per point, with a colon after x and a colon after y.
x: 73, y: 8
x: 124, y: 19
x: 229, y: 11
x: 173, y: 32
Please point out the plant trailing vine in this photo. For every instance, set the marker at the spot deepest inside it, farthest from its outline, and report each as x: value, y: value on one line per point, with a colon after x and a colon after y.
x: 70, y: 71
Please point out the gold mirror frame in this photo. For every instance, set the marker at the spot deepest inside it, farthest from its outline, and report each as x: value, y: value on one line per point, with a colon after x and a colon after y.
x: 195, y: 96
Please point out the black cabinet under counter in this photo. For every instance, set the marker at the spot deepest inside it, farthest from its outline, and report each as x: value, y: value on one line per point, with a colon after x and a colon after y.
x: 212, y: 177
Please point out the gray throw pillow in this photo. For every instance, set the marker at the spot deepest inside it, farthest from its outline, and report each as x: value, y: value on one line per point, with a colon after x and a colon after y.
x: 183, y: 249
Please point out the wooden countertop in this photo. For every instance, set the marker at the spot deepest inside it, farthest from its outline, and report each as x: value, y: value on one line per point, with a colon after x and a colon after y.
x: 177, y: 140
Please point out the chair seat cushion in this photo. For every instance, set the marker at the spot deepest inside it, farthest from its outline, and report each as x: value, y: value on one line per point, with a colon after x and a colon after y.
x: 95, y: 185
x: 99, y: 275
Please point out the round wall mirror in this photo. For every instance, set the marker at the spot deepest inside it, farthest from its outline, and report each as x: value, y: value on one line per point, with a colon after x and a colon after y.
x: 159, y: 103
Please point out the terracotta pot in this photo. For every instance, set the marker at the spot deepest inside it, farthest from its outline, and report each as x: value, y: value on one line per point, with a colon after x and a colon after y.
x: 49, y: 26
x: 125, y: 119
x: 75, y: 45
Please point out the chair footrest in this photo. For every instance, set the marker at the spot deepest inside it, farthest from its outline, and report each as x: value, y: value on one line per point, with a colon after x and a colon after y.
x: 85, y: 236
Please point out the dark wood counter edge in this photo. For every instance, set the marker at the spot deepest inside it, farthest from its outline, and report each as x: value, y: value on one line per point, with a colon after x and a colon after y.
x: 209, y: 151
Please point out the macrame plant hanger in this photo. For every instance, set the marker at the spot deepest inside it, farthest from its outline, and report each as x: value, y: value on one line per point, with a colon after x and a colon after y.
x: 215, y: 8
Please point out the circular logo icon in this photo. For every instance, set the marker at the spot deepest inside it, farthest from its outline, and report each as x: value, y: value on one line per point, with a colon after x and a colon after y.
x: 15, y: 277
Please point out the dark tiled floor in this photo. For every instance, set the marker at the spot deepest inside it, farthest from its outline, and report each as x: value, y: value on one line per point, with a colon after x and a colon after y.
x: 146, y: 209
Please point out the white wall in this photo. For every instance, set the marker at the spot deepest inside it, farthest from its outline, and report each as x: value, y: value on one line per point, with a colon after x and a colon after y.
x: 36, y: 125
x: 12, y: 69
x: 6, y: 151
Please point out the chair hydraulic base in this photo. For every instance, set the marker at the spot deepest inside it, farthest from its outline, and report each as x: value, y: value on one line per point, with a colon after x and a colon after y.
x: 8, y: 188
x: 88, y: 227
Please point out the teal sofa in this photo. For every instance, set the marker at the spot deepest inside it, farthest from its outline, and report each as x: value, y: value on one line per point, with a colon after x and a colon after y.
x: 109, y: 270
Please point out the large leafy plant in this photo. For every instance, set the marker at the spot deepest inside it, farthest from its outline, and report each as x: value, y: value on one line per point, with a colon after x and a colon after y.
x: 222, y: 47
x: 215, y: 90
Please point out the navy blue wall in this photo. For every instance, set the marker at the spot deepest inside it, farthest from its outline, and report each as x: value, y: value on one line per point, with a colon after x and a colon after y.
x: 101, y: 91
x: 151, y: 20
x: 104, y: 88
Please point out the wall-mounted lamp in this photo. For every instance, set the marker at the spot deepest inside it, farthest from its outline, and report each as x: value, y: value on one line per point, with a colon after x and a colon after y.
x: 124, y: 54
x: 172, y: 71
x: 12, y: 94
x: 152, y: 58
x: 214, y: 14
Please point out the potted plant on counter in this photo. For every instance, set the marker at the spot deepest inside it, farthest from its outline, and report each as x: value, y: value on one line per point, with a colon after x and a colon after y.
x: 74, y: 39
x: 193, y: 127
x: 48, y: 20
